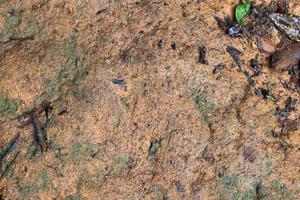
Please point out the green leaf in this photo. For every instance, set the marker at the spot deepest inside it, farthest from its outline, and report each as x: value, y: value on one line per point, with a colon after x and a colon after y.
x: 242, y: 10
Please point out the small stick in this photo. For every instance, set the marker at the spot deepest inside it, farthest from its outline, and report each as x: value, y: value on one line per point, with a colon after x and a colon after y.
x: 202, y: 55
x: 234, y: 53
x: 39, y: 134
x: 9, y: 164
x: 9, y: 148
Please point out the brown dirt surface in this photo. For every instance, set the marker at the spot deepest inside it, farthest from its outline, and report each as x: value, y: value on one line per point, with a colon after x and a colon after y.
x: 172, y: 130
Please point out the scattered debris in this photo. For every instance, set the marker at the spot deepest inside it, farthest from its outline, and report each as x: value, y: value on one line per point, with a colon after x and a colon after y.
x: 173, y: 46
x: 218, y: 67
x: 289, y: 24
x: 228, y: 26
x: 293, y: 124
x: 289, y: 106
x: 161, y: 142
x: 286, y: 123
x: 39, y: 134
x: 224, y: 24
x: 265, y: 44
x: 143, y: 86
x: 118, y: 81
x: 235, y: 53
x: 239, y: 117
x: 102, y: 9
x: 207, y: 156
x: 202, y: 55
x: 295, y: 74
x: 266, y: 95
x: 10, y: 147
x: 9, y: 164
x: 258, y: 23
x: 249, y: 154
x: 179, y: 186
x: 255, y: 66
x: 259, y: 20
x: 154, y: 146
x: 48, y: 109
x: 160, y: 44
x: 63, y: 111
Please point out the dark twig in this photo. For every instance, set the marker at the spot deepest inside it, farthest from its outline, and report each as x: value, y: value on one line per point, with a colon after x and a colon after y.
x: 235, y: 54
x: 39, y: 134
x: 12, y: 145
x: 9, y: 164
x: 202, y: 55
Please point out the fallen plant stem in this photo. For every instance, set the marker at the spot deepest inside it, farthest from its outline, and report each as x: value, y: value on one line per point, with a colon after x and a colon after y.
x: 39, y: 135
x: 9, y: 148
x: 9, y: 164
x: 234, y: 53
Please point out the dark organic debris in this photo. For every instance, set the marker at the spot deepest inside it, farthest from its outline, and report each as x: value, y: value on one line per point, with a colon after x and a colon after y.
x: 125, y: 56
x: 224, y: 24
x: 118, y: 81
x: 249, y: 154
x: 295, y: 74
x: 48, y: 109
x: 289, y: 107
x: 289, y: 104
x: 154, y: 146
x: 202, y: 55
x: 266, y: 94
x: 218, y: 67
x: 39, y: 134
x: 255, y: 66
x: 17, y: 39
x: 285, y: 122
x: 239, y: 116
x: 9, y: 164
x: 160, y: 44
x: 10, y: 147
x: 253, y: 19
x: 207, y: 156
x: 173, y: 46
x: 293, y: 124
x: 63, y: 111
x: 229, y: 27
x: 179, y: 187
x: 102, y: 9
x: 235, y: 54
